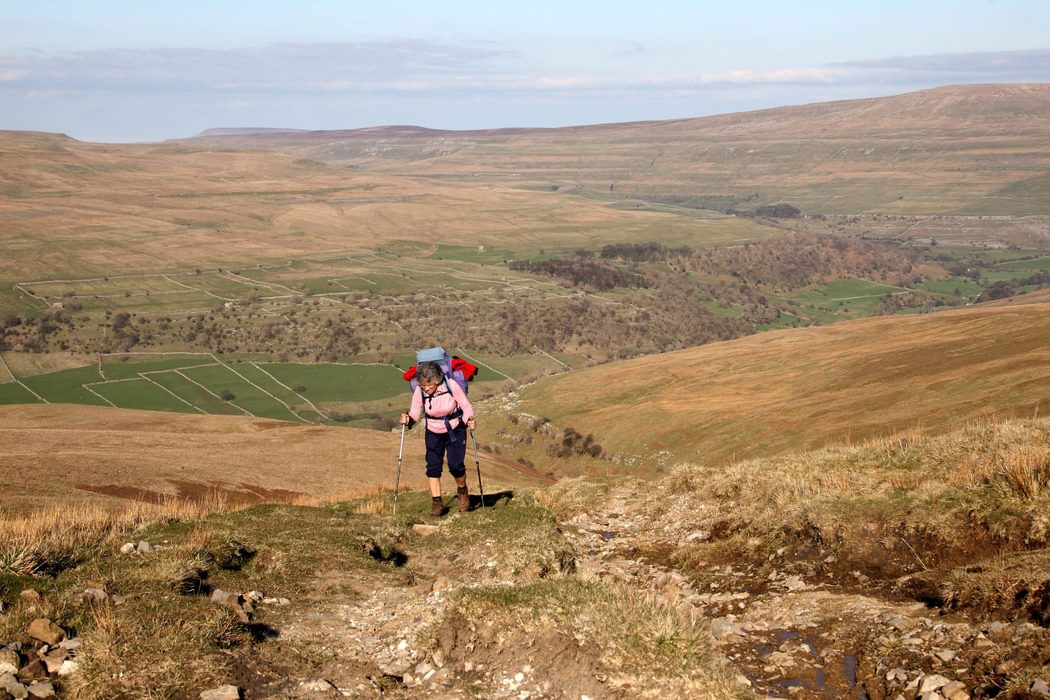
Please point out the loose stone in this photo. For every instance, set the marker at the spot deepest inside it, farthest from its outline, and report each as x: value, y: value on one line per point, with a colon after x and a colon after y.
x: 932, y: 682
x: 9, y: 661
x: 46, y: 631
x: 225, y: 692
x: 41, y: 689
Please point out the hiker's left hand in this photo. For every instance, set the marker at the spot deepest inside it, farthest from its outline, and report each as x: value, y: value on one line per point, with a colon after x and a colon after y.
x: 471, y: 423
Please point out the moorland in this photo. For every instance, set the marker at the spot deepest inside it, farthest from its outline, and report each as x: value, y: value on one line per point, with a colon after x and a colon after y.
x: 540, y: 251
x: 788, y: 367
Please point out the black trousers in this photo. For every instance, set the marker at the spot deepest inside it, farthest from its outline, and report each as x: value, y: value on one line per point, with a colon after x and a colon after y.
x: 441, y: 444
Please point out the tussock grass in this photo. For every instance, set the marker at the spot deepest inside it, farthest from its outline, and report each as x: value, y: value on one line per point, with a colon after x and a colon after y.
x: 516, y: 541
x: 167, y: 638
x: 959, y: 509
x: 985, y: 466
x: 570, y: 497
x: 48, y: 541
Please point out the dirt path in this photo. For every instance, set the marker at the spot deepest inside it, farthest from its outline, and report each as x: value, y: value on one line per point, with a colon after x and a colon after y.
x: 783, y: 633
x: 359, y: 637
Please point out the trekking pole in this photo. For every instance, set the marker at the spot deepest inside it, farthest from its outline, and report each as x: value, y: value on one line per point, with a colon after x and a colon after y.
x: 481, y: 489
x: 400, y: 452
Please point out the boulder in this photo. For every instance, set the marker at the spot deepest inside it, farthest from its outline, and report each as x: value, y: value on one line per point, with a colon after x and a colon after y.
x: 70, y: 644
x: 94, y: 594
x: 54, y: 659
x: 423, y: 529
x: 318, y: 685
x: 932, y: 682
x: 955, y: 690
x: 68, y: 667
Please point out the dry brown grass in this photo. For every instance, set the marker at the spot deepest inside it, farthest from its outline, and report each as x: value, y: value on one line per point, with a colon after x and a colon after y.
x: 369, y: 500
x: 892, y: 506
x: 569, y: 497
x: 165, y: 208
x: 783, y: 392
x: 846, y: 156
x: 53, y: 539
x: 113, y: 457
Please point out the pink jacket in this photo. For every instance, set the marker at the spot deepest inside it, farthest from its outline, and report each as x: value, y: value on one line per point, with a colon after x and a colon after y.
x: 440, y: 405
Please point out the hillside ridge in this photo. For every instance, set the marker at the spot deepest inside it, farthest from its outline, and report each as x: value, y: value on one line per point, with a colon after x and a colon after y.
x: 987, y: 102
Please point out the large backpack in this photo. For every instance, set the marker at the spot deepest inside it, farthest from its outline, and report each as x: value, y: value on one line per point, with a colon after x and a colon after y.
x: 458, y: 370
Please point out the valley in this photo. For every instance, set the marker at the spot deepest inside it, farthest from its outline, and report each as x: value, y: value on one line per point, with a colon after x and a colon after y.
x: 761, y: 406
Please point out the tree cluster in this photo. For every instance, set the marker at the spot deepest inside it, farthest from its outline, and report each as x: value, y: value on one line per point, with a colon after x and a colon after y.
x: 582, y: 273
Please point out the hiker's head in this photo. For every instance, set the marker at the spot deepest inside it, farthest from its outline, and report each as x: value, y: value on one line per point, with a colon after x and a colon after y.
x: 430, y: 376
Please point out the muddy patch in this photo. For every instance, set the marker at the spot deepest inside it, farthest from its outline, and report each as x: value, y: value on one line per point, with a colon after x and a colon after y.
x: 545, y: 663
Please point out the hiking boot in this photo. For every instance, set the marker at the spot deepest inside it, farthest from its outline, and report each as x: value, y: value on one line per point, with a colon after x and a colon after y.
x: 437, y: 507
x: 463, y: 497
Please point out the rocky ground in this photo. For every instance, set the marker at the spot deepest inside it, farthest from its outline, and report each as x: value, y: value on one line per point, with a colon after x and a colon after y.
x: 788, y: 636
x: 783, y: 634
x: 404, y: 627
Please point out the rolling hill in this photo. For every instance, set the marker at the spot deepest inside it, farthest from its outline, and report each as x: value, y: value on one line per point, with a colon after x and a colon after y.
x: 74, y: 209
x: 784, y: 391
x: 961, y: 150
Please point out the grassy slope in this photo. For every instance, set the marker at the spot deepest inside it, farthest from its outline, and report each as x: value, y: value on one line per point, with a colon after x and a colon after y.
x: 784, y: 391
x: 75, y: 209
x: 512, y: 575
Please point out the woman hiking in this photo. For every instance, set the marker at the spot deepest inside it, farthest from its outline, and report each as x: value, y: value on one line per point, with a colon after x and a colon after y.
x: 446, y: 413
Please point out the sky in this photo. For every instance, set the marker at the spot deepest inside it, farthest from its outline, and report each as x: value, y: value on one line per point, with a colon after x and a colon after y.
x: 145, y: 70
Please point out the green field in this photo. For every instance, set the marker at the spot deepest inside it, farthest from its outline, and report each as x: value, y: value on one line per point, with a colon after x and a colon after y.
x: 195, y: 383
x: 67, y: 386
x: 127, y: 367
x: 952, y: 286
x: 331, y: 383
x: 474, y: 254
x: 839, y: 300
x: 846, y: 290
x: 198, y: 396
x: 222, y: 378
x: 12, y: 392
x: 141, y: 394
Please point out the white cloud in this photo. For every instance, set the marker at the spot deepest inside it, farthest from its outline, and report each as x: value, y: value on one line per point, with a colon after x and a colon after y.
x: 425, y: 67
x: 174, y: 91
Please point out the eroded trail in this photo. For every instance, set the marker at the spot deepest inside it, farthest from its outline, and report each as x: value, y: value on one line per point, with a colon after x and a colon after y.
x: 787, y: 624
x: 789, y: 635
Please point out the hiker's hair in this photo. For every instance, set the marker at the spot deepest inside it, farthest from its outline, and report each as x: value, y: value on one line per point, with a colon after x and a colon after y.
x: 430, y: 373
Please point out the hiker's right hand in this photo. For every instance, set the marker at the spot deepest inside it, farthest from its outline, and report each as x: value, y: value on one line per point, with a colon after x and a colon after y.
x: 404, y: 419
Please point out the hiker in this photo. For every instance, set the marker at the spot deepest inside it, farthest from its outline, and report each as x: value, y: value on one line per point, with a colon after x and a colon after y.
x: 447, y: 414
